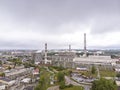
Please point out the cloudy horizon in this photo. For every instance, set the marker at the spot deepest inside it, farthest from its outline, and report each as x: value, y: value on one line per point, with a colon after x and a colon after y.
x: 28, y: 24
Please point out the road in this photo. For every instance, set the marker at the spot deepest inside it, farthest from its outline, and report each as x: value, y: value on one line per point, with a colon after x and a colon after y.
x: 53, y: 88
x: 17, y: 83
x: 69, y: 81
x: 23, y: 87
x: 29, y: 88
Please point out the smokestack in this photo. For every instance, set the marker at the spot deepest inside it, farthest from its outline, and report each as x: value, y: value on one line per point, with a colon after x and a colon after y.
x: 69, y: 48
x: 85, y: 44
x: 45, y: 53
x: 45, y: 47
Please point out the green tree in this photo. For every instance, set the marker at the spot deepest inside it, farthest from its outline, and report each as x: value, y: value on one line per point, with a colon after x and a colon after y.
x: 38, y: 87
x: 44, y: 80
x: 26, y: 65
x: 61, y: 80
x: 70, y: 72
x: 62, y: 85
x: 118, y: 75
x: 0, y: 62
x: 60, y: 76
x: 16, y: 61
x: 9, y: 68
x: 2, y: 74
x: 103, y: 84
x: 93, y: 70
x: 42, y: 84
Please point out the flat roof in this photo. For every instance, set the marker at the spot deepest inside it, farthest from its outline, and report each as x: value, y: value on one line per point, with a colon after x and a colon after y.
x: 95, y: 59
x: 5, y: 79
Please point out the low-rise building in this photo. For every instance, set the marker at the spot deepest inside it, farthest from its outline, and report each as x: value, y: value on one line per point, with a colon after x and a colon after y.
x: 82, y: 69
x: 37, y: 57
x: 7, y: 81
x: 2, y: 86
x: 36, y: 71
x: 101, y: 60
x: 14, y: 73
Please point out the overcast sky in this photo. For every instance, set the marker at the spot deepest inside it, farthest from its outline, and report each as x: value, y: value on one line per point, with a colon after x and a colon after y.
x: 28, y: 24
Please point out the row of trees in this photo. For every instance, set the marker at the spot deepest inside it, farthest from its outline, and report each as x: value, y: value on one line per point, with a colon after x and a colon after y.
x: 61, y: 79
x: 93, y: 70
x: 2, y: 74
x: 44, y: 80
x: 41, y: 85
x: 58, y: 68
x: 104, y: 84
x: 16, y: 61
x: 0, y: 62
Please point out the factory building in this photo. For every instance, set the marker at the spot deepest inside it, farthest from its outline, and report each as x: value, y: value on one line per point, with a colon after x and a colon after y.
x: 63, y: 56
x: 41, y: 57
x: 64, y: 59
x: 37, y: 57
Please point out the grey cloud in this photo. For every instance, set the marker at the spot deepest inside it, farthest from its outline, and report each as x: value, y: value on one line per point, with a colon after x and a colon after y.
x: 55, y: 17
x: 51, y: 14
x: 28, y: 45
x: 106, y: 24
x: 14, y: 45
x: 117, y: 47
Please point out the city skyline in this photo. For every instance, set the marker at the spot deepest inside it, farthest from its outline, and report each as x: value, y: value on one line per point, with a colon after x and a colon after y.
x: 28, y: 24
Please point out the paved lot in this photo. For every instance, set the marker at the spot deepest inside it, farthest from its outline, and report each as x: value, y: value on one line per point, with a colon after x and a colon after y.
x: 53, y: 88
x: 29, y: 88
x: 69, y: 81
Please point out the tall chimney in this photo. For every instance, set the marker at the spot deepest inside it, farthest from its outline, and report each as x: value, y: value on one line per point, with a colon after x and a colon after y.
x: 85, y: 44
x: 45, y: 53
x: 69, y: 48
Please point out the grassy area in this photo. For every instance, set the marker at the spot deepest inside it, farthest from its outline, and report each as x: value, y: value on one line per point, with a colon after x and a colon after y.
x: 107, y: 73
x: 103, y: 73
x: 58, y: 68
x: 74, y: 88
x: 88, y: 73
